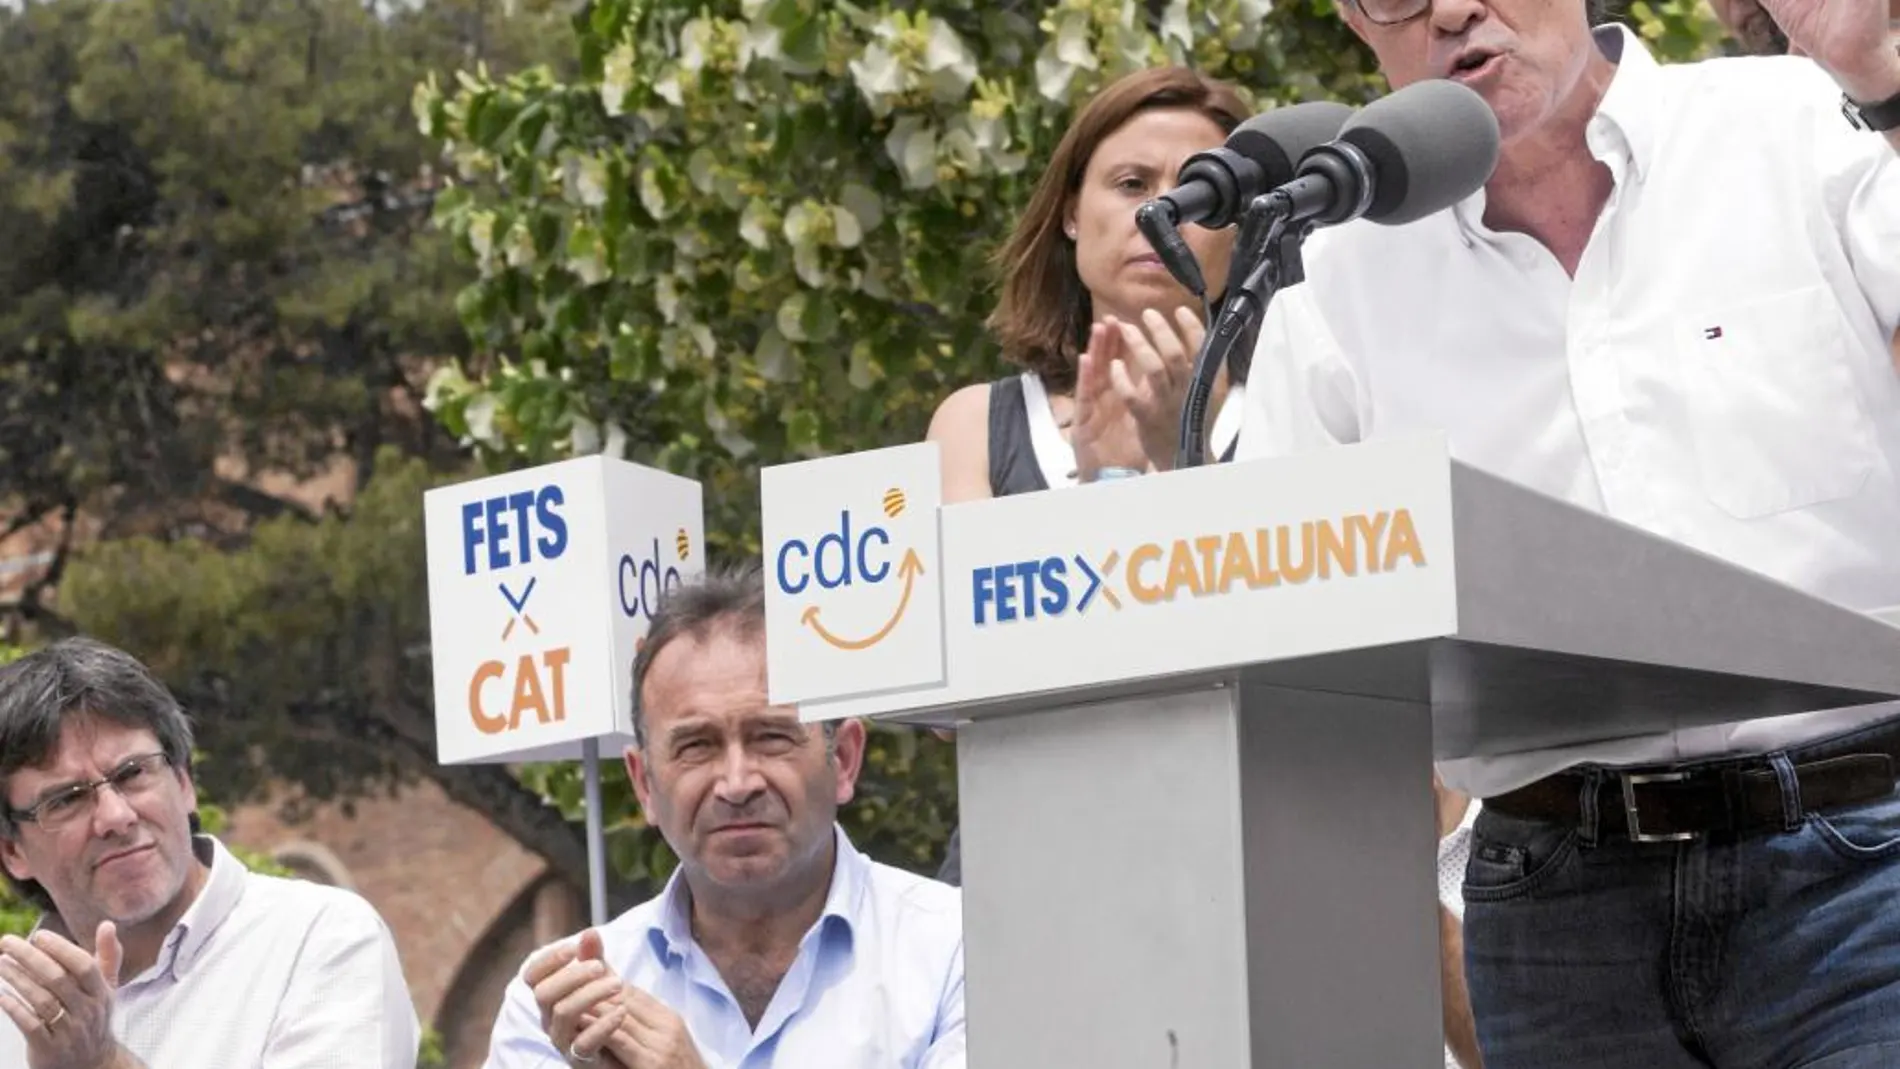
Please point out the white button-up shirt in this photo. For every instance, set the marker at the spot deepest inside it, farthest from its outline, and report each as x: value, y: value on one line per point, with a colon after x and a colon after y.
x: 877, y: 983
x: 1717, y: 372
x: 263, y: 973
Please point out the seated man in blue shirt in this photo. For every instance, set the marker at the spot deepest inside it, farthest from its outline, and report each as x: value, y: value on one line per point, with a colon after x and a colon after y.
x: 775, y: 943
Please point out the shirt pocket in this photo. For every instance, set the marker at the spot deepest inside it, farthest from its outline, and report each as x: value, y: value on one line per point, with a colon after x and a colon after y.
x: 1775, y: 416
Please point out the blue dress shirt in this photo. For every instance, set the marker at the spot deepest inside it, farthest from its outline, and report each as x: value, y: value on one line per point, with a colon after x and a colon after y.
x: 877, y: 983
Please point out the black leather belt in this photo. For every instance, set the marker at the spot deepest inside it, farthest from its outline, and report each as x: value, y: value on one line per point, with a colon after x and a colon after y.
x: 1680, y: 803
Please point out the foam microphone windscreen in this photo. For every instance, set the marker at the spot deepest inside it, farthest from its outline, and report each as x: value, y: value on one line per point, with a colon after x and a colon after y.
x: 1277, y: 139
x: 1432, y: 144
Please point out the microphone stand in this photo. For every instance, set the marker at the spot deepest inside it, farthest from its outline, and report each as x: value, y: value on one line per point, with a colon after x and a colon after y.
x: 1267, y: 258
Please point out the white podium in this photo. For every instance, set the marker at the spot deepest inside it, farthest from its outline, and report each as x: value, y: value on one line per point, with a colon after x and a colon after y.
x: 1198, y: 827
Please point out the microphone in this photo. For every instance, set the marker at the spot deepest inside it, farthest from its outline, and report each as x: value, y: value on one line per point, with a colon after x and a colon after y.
x: 1215, y: 186
x: 1401, y: 158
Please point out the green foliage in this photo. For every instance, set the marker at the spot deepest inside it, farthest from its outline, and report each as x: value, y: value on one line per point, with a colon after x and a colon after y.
x: 432, y: 1054
x: 218, y: 258
x: 757, y: 231
x: 1678, y: 29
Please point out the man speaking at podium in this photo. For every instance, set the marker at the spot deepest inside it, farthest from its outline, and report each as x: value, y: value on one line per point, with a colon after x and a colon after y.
x: 1672, y: 304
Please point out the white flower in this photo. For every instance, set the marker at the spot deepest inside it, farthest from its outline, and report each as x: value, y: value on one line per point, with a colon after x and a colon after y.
x: 801, y: 224
x: 762, y: 41
x: 912, y: 146
x: 703, y: 337
x: 445, y: 382
x: 616, y: 78
x: 691, y: 244
x: 652, y: 197
x: 700, y: 168
x: 871, y: 284
x: 481, y: 233
x: 774, y: 357
x: 666, y: 297
x: 809, y: 266
x: 791, y: 317
x: 864, y: 204
x: 1072, y: 41
x: 422, y: 102
x: 480, y: 416
x: 951, y: 65
x: 668, y: 89
x: 755, y: 223
x: 587, y: 256
x: 962, y: 150
x: 1175, y: 25
x: 1053, y: 75
x: 735, y: 443
x: 585, y: 180
x: 844, y: 229
x: 519, y: 246
x: 695, y: 36
x: 878, y: 76
x: 583, y: 436
x: 861, y: 376
x: 616, y: 443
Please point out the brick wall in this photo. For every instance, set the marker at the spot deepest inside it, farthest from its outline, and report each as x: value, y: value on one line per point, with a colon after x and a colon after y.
x: 441, y: 876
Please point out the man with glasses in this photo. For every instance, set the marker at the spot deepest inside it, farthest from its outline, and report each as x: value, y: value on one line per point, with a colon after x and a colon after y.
x: 1672, y: 304
x: 157, y: 949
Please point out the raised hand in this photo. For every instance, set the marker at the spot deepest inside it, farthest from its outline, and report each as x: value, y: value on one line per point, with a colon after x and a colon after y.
x: 61, y: 999
x: 1848, y: 38
x: 1103, y: 433
x: 577, y: 994
x: 652, y: 1036
x: 1152, y: 378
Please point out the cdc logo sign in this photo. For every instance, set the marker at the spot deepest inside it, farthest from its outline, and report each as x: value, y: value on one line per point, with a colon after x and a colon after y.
x: 854, y: 600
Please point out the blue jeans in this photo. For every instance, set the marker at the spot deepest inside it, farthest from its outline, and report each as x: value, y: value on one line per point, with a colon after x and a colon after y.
x: 1777, y: 950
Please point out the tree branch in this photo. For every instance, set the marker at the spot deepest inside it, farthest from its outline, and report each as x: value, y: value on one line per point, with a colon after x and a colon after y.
x: 261, y: 504
x: 35, y: 512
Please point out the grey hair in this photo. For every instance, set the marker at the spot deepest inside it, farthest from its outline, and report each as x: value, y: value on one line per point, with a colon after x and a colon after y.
x: 730, y: 599
x: 73, y: 678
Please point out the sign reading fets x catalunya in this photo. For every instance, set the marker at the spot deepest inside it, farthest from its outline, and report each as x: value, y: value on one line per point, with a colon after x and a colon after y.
x: 1219, y: 566
x: 851, y: 573
x: 541, y: 586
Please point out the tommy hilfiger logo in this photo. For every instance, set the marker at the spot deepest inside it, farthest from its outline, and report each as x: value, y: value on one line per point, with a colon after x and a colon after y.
x: 1711, y: 333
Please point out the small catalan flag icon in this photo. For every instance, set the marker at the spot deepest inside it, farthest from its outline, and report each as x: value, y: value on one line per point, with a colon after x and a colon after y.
x: 893, y: 502
x: 1711, y: 333
x: 684, y: 543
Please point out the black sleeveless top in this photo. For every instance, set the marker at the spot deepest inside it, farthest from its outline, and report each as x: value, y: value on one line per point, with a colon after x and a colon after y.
x: 1013, y: 467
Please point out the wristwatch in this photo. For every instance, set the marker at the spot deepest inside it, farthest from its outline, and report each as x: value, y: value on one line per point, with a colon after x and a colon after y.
x: 1878, y: 118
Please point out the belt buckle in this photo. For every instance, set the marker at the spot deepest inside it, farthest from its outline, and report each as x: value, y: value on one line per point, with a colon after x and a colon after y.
x: 1637, y: 835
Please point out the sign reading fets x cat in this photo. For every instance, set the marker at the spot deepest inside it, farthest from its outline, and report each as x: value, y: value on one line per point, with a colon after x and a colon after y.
x: 541, y: 585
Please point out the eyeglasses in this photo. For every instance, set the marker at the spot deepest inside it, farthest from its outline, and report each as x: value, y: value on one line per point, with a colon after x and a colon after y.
x: 1392, y: 12
x: 138, y: 777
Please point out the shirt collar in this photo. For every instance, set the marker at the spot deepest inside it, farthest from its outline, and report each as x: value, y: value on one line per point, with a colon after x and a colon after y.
x: 1622, y: 133
x: 216, y: 901
x: 671, y: 930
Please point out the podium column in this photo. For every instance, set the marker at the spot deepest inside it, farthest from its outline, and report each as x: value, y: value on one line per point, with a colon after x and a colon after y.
x: 1234, y: 876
